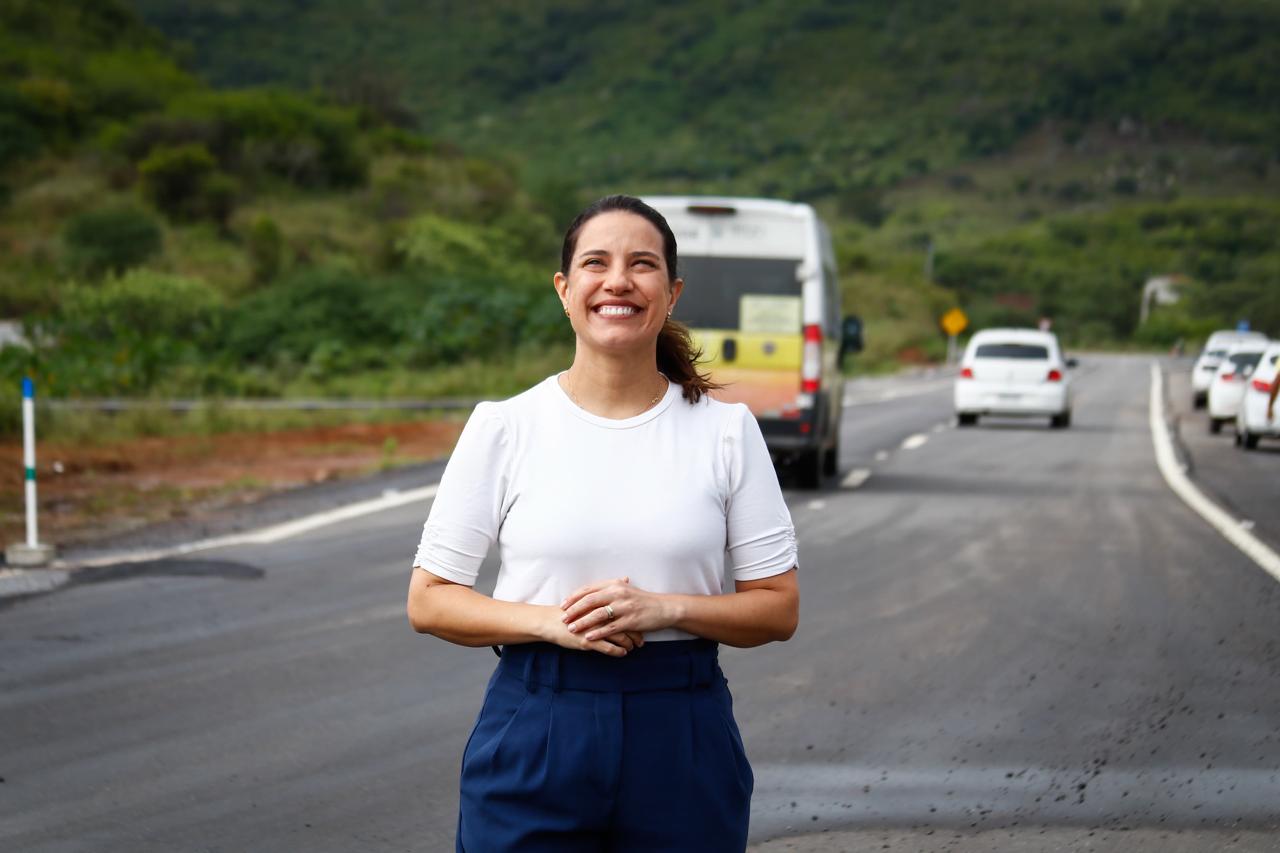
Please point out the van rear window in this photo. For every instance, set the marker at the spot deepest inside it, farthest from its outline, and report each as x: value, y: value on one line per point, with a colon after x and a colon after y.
x: 1027, y: 351
x: 714, y: 287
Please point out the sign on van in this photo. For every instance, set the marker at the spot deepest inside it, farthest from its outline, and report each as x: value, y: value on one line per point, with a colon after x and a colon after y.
x: 769, y: 315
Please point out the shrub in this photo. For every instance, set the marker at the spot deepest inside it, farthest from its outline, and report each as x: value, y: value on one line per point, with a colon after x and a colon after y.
x: 264, y: 243
x: 172, y: 177
x: 127, y: 333
x: 111, y: 240
x: 184, y: 182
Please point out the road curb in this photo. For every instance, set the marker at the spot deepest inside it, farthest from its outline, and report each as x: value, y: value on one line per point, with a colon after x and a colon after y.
x: 21, y: 583
x: 1175, y: 475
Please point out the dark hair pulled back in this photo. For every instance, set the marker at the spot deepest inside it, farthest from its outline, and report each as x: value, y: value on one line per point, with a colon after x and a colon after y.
x: 678, y: 357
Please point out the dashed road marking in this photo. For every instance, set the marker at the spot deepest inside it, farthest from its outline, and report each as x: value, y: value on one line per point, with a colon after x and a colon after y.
x: 817, y: 504
x: 914, y: 441
x: 855, y: 478
x: 882, y: 455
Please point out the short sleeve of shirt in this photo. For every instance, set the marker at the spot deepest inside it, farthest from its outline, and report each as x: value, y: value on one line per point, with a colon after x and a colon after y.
x: 468, y: 508
x: 761, y: 539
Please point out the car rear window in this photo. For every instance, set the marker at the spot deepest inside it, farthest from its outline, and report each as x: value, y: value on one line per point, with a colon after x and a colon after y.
x: 1027, y: 351
x: 1245, y: 359
x: 714, y: 287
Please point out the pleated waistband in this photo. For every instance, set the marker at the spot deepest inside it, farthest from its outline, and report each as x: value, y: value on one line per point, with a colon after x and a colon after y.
x: 669, y: 665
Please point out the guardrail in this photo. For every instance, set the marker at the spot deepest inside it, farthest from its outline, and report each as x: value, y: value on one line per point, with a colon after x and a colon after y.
x: 110, y: 405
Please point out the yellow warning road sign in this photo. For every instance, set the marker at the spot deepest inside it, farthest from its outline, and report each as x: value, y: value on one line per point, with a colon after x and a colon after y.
x: 954, y: 322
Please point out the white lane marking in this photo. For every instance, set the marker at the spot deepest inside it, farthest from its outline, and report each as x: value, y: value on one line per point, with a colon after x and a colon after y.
x: 914, y: 441
x: 882, y: 455
x: 855, y: 478
x: 265, y: 535
x: 817, y: 504
x: 939, y: 427
x: 1232, y: 530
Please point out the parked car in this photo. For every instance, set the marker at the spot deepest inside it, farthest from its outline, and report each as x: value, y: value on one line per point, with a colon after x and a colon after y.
x: 1252, y: 423
x: 1215, y: 349
x: 1229, y: 382
x: 762, y: 301
x: 1014, y: 372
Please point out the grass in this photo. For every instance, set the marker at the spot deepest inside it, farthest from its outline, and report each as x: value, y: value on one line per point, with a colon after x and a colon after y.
x: 493, y: 379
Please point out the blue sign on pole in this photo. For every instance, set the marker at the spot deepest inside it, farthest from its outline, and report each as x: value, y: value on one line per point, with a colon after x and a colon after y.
x: 1242, y: 325
x: 28, y: 388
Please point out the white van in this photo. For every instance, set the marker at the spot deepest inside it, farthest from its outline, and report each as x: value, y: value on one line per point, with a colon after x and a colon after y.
x: 762, y: 301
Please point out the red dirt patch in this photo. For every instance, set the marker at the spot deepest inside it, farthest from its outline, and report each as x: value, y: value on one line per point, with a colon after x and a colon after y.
x: 87, y: 492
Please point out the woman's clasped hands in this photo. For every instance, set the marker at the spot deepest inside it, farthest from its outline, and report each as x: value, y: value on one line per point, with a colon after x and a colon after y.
x: 612, y: 616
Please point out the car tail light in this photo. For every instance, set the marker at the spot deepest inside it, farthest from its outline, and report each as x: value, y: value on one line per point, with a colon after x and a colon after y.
x: 811, y: 363
x: 966, y: 373
x: 1055, y: 375
x: 1262, y: 385
x: 1228, y: 377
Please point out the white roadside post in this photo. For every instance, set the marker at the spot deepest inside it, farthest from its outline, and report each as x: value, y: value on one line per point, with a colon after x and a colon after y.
x: 31, y: 553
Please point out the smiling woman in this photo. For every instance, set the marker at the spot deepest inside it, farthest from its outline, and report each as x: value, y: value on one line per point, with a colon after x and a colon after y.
x: 615, y: 491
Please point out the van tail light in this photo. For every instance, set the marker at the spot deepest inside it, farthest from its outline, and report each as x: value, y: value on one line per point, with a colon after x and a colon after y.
x: 1055, y: 375
x: 811, y: 362
x: 1261, y: 385
x: 966, y: 373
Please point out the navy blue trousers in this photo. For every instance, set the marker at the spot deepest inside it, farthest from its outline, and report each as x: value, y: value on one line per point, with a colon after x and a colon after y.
x: 577, y: 751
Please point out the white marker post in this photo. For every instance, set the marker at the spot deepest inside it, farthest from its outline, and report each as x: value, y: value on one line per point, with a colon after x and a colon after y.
x: 31, y: 553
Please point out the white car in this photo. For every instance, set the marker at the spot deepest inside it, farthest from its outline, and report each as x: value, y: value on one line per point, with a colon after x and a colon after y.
x: 1229, y: 382
x: 1013, y: 372
x: 1252, y: 422
x: 1215, y: 349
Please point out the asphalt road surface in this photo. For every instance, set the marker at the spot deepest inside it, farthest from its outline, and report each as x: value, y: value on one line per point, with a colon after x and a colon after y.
x: 1012, y: 638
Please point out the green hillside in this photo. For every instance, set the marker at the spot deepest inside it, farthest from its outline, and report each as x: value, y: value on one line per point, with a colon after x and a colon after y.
x: 981, y: 129
x: 799, y: 97
x: 161, y: 237
x: 368, y: 200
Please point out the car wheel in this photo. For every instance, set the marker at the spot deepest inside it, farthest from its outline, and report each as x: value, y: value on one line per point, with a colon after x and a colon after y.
x: 965, y: 419
x: 809, y: 468
x: 1215, y: 426
x: 1250, y: 440
x: 831, y: 458
x: 1061, y: 420
x: 1198, y: 400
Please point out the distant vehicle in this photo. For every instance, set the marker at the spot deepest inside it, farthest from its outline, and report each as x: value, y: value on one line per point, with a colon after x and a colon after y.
x: 1215, y: 349
x: 1228, y: 384
x: 1252, y: 423
x: 1014, y: 372
x: 762, y: 300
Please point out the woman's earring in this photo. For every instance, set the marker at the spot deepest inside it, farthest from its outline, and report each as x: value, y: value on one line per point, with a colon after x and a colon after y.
x: 566, y: 312
x: 669, y: 313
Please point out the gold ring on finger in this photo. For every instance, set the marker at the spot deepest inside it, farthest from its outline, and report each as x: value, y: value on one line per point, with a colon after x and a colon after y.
x: 608, y: 609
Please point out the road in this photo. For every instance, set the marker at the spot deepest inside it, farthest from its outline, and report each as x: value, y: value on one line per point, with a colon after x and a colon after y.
x: 1012, y: 638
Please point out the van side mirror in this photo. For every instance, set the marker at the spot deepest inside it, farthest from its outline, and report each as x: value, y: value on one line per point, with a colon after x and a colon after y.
x: 851, y: 334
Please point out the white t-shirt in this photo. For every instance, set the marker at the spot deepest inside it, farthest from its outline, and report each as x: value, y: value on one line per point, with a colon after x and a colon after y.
x: 572, y: 498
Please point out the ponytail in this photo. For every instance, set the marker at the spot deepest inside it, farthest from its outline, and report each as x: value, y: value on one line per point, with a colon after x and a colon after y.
x: 678, y: 359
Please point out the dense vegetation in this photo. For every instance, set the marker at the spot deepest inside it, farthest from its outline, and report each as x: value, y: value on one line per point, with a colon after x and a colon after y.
x: 979, y: 129
x: 793, y: 97
x: 165, y: 238
x: 373, y: 196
